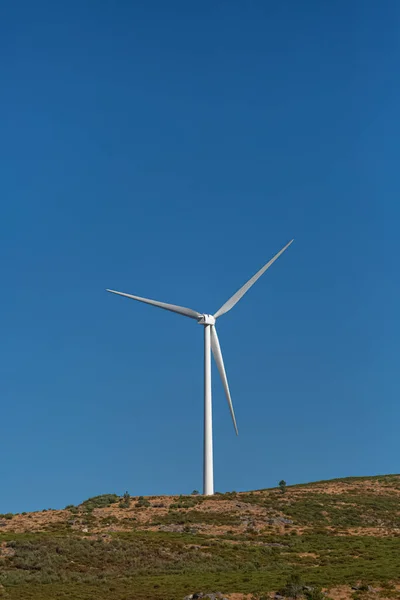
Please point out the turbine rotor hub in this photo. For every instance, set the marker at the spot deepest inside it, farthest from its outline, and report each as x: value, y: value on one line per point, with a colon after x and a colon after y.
x: 207, y: 320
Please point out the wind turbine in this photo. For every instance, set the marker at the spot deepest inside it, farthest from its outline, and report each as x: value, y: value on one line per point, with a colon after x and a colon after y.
x: 211, y: 342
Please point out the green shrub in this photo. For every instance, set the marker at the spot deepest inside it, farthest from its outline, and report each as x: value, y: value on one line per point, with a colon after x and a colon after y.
x: 125, y: 501
x: 142, y: 502
x: 315, y: 593
x: 293, y: 588
x: 99, y: 502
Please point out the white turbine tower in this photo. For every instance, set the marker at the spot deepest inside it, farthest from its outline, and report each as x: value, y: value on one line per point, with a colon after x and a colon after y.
x: 211, y: 342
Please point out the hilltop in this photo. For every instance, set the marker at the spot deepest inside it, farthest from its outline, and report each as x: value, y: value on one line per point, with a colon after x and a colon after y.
x: 333, y: 534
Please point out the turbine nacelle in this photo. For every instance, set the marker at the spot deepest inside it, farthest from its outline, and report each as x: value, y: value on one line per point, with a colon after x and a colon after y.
x: 206, y: 320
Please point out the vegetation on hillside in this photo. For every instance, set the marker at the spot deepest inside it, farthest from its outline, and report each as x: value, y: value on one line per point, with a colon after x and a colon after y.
x: 322, y: 535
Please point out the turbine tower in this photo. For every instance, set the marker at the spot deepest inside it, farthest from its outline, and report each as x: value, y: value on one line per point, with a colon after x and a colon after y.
x: 211, y: 343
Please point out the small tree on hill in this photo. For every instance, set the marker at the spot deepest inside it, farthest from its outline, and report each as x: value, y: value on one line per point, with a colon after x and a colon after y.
x: 282, y: 486
x: 195, y: 493
x: 125, y: 501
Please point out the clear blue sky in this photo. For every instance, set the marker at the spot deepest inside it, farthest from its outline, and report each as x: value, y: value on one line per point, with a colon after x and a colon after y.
x: 169, y: 149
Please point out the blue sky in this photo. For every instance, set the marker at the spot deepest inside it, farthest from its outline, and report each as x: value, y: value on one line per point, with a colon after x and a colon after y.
x: 169, y: 150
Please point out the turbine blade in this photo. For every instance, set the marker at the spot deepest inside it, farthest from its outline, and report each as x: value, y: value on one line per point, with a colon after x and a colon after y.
x: 181, y: 310
x: 216, y: 350
x: 236, y: 297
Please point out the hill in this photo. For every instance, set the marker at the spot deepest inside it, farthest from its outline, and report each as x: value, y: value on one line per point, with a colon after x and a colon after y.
x: 334, y: 534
